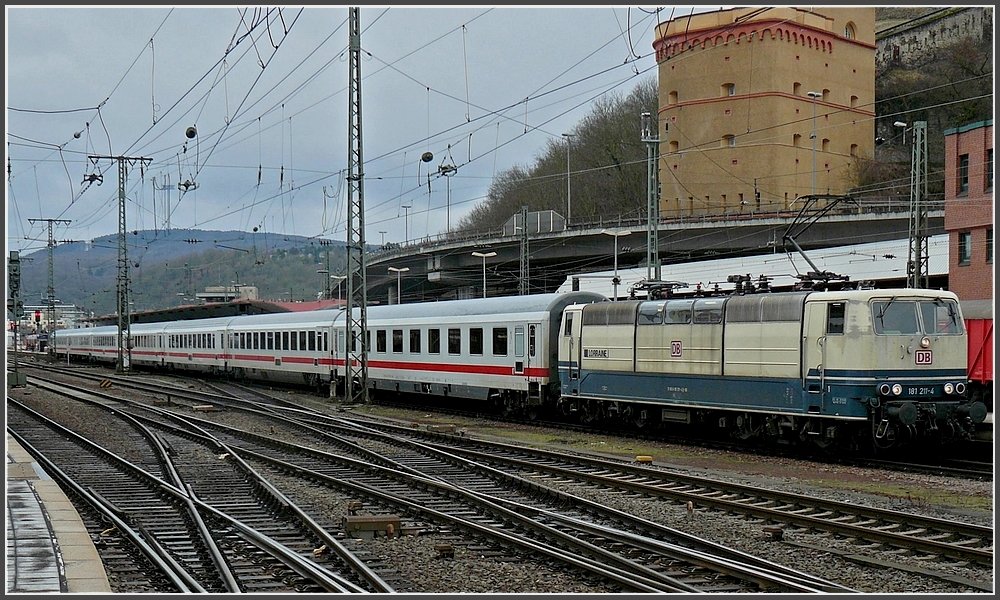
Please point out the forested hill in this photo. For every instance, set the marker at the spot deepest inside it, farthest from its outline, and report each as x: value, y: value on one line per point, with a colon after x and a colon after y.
x: 165, y: 267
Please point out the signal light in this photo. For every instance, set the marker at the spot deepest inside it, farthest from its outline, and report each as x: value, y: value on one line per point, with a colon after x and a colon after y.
x: 38, y: 316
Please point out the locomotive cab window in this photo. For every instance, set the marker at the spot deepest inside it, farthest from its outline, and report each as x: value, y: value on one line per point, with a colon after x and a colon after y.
x: 894, y: 317
x: 568, y: 331
x: 940, y: 317
x: 835, y: 312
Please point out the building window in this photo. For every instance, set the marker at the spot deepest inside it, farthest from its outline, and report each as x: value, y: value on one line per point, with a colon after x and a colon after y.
x: 963, y: 174
x: 825, y: 146
x: 797, y: 140
x: 854, y: 101
x: 964, y: 247
x: 989, y: 169
x: 849, y: 31
x: 672, y: 97
x: 674, y: 146
x: 989, y: 245
x: 728, y: 89
x: 854, y: 149
x: 797, y: 88
x: 728, y: 141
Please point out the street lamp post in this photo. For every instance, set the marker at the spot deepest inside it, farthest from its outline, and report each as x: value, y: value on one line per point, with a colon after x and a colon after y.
x: 569, y: 205
x: 383, y: 237
x: 406, y: 222
x: 814, y: 95
x: 615, y: 280
x: 484, y: 256
x: 399, y: 290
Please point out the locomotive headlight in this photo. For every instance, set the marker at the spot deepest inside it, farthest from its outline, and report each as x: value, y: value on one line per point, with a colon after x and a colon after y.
x: 897, y: 389
x: 959, y: 388
x: 884, y: 389
x: 925, y: 342
x: 949, y: 389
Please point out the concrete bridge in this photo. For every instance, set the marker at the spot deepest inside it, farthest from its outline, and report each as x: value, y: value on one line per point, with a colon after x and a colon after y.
x: 444, y: 268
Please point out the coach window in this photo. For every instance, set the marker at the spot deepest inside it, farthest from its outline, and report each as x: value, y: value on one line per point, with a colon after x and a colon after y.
x: 476, y: 341
x: 531, y: 340
x: 519, y: 340
x: 294, y: 341
x: 454, y: 341
x: 835, y: 312
x: 326, y: 341
x: 415, y: 341
x: 312, y: 341
x: 380, y: 340
x: 284, y: 340
x: 302, y: 340
x: 500, y: 340
x: 270, y: 340
x: 434, y: 341
x: 397, y: 340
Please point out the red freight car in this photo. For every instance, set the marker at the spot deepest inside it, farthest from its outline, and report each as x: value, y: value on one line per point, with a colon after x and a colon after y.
x: 979, y: 323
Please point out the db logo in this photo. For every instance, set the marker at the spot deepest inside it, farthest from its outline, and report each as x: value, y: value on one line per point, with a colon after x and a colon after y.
x: 675, y: 348
x: 923, y: 357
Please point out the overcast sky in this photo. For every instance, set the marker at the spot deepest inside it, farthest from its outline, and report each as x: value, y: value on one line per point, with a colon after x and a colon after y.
x: 482, y: 88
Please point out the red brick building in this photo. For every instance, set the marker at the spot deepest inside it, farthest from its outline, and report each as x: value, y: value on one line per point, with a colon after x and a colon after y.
x: 968, y: 209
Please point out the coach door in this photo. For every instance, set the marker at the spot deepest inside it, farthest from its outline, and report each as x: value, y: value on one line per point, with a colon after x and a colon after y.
x: 534, y: 330
x: 519, y: 349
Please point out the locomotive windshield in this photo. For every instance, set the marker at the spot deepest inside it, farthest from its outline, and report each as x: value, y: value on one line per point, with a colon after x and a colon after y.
x: 903, y: 317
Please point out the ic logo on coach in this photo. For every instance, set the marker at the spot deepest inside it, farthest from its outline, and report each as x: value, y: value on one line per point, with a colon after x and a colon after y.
x: 923, y: 357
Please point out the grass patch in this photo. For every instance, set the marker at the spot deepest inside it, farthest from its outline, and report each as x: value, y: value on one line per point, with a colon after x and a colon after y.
x: 916, y: 497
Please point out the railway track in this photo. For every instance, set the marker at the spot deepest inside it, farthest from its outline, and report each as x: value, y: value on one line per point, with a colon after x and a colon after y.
x: 891, y: 529
x: 172, y: 517
x: 470, y: 499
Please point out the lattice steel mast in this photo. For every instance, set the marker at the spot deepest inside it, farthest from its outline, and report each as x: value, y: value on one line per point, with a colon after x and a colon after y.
x: 50, y: 292
x: 356, y: 365
x: 917, y: 271
x: 124, y: 315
